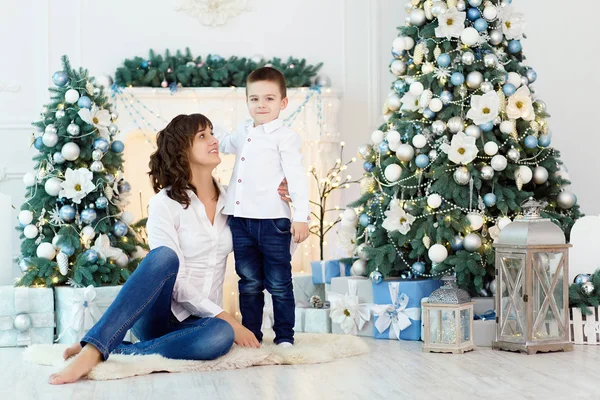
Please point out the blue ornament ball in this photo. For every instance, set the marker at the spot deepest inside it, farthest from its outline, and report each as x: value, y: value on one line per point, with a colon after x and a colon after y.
x: 400, y: 86
x: 144, y: 64
x: 24, y: 264
x: 481, y: 25
x: 67, y: 213
x: 509, y: 89
x: 581, y: 279
x: 101, y: 144
x: 58, y: 158
x: 383, y: 147
x: 364, y: 220
x: 473, y: 14
x: 60, y: 78
x: 514, y: 46
x: 376, y: 277
x: 489, y: 199
x: 101, y: 202
x: 446, y: 97
x: 422, y: 161
x: 418, y: 268
x: 120, y: 228
x: 38, y: 144
x: 68, y: 249
x: 88, y: 215
x: 215, y: 58
x: 84, y: 102
x: 544, y: 141
x: 427, y: 113
x: 457, y: 79
x: 444, y: 60
x: 368, y: 166
x: 531, y: 75
x: 487, y: 127
x: 90, y: 256
x: 117, y: 146
x: 457, y: 243
x: 124, y: 187
x: 531, y: 142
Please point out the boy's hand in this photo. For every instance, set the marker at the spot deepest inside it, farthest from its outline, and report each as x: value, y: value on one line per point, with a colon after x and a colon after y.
x: 299, y: 231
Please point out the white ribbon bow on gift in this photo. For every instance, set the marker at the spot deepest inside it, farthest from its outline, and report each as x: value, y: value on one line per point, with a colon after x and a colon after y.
x: 347, y: 311
x: 395, y: 315
x: 85, y: 310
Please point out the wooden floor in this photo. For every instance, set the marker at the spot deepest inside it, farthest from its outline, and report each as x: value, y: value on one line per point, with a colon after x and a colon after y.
x: 393, y: 370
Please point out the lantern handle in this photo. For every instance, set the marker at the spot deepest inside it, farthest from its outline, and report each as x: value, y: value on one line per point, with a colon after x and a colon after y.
x: 532, y: 208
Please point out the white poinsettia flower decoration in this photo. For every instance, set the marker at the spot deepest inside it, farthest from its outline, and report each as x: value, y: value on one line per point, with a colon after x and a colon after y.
x: 451, y: 24
x: 520, y: 105
x: 410, y: 102
x: 100, y: 119
x: 77, y: 184
x: 513, y: 23
x: 397, y: 219
x: 105, y: 250
x: 346, y: 311
x: 346, y: 239
x: 484, y: 108
x: 462, y: 149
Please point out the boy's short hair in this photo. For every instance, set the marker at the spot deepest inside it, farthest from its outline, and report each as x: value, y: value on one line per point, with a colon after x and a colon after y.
x: 270, y: 75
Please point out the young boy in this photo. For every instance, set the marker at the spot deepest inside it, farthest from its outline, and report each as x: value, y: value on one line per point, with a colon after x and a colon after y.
x: 266, y: 152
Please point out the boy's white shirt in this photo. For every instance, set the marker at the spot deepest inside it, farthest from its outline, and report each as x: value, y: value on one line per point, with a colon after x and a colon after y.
x: 264, y: 156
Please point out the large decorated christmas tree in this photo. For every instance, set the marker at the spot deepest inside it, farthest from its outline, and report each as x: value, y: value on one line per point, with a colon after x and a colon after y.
x: 465, y: 142
x: 74, y: 229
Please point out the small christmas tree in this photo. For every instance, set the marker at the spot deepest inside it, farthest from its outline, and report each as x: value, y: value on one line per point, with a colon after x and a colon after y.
x: 74, y: 229
x: 465, y: 142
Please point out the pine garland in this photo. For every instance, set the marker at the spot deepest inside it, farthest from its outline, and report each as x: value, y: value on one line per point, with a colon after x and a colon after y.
x: 578, y: 298
x: 186, y: 70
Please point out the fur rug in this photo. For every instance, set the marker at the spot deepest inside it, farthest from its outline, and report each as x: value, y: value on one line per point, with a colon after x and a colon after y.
x: 308, y: 349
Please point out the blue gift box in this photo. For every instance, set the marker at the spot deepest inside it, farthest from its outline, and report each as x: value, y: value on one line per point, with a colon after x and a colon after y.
x: 323, y: 271
x: 404, y: 312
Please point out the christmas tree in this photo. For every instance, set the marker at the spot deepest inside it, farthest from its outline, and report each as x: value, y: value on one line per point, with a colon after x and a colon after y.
x: 465, y: 142
x: 74, y: 229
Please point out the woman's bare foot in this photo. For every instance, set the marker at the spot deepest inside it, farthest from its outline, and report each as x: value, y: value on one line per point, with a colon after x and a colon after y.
x: 72, y: 351
x: 83, y: 363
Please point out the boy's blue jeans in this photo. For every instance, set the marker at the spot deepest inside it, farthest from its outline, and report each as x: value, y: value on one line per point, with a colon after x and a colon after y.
x: 261, y: 248
x: 144, y: 305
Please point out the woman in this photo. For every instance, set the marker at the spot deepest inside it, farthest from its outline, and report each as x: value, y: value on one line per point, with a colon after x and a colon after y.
x: 172, y: 301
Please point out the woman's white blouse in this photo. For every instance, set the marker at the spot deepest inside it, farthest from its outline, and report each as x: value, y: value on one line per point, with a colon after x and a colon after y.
x: 202, y: 249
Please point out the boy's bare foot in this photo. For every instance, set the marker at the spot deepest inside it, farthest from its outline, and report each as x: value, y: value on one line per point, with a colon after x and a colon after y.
x: 72, y: 351
x: 83, y: 363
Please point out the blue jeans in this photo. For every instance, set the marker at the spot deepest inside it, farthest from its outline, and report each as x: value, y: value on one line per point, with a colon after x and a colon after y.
x: 144, y: 305
x: 261, y: 248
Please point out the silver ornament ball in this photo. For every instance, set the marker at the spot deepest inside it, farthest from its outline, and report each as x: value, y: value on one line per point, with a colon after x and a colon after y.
x: 539, y: 106
x: 73, y: 129
x: 97, y: 155
x: 486, y: 87
x: 461, y: 5
x: 473, y: 131
x: 376, y: 277
x: 487, y: 173
x: 565, y: 200
x: 323, y: 81
x: 113, y: 129
x: 496, y: 37
x: 513, y: 155
x: 438, y: 127
x: 474, y: 79
x: 462, y: 176
x: 462, y: 91
x: 468, y: 58
x: 433, y: 154
x: 472, y: 242
x: 365, y: 150
x: 490, y: 60
x: 22, y: 322
x: 97, y: 166
x: 438, y: 8
x: 455, y: 124
x: 588, y: 288
x: 540, y: 175
x: 59, y: 114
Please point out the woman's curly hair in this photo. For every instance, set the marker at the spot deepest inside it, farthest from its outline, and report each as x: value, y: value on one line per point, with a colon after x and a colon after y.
x: 169, y: 164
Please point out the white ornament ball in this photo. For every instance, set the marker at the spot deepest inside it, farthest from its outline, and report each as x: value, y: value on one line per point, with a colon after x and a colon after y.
x: 434, y: 200
x: 525, y: 172
x: 398, y: 67
x: 502, y: 222
x: 417, y: 17
x: 499, y: 162
x: 88, y: 232
x: 30, y: 231
x: 377, y: 137
x: 416, y: 88
x: 514, y: 78
x: 55, y: 240
x: 472, y: 242
x: 493, y: 287
x: 393, y: 102
x: 350, y: 215
x: 49, y: 139
x: 392, y: 172
x: 490, y: 148
x: 436, y: 105
x: 437, y: 253
x: 455, y: 124
x: 122, y: 260
x: 540, y: 175
x: 473, y: 131
x: 22, y: 323
x: 427, y: 68
x: 104, y: 80
x: 25, y: 217
x: 405, y: 152
x: 474, y: 79
x: 409, y: 43
x: 71, y: 96
x: 399, y: 44
x: 470, y: 36
x: 506, y: 127
x: 360, y: 252
x: 393, y: 137
x: 359, y: 268
x: 490, y: 13
x: 70, y: 151
x: 419, y: 141
x: 127, y: 217
x: 475, y: 220
x: 46, y: 250
x: 29, y: 179
x: 52, y: 186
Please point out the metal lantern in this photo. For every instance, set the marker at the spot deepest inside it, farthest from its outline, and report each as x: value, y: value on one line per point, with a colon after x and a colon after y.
x: 532, y: 268
x: 448, y: 320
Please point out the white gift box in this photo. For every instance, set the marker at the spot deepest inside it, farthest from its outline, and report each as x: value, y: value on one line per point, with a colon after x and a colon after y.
x: 78, y: 309
x: 484, y: 332
x: 364, y: 287
x: 26, y: 316
x: 304, y: 289
x: 483, y: 304
x: 356, y: 292
x: 313, y: 320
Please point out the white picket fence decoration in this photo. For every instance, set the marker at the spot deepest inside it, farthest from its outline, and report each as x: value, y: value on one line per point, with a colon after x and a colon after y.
x: 585, y: 329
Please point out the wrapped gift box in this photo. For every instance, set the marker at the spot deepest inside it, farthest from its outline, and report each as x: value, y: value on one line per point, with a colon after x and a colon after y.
x: 402, y: 316
x: 313, y: 320
x: 324, y: 271
x: 483, y: 304
x: 305, y: 288
x: 484, y: 332
x: 356, y: 294
x: 26, y: 316
x: 78, y: 309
